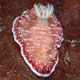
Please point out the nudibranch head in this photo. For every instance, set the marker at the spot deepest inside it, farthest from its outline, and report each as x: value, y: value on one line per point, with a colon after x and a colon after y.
x: 39, y: 35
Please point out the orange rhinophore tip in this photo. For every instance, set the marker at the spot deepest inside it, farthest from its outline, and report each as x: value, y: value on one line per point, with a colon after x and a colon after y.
x: 39, y: 34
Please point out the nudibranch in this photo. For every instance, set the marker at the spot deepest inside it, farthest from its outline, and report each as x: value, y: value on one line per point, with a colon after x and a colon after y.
x: 39, y: 35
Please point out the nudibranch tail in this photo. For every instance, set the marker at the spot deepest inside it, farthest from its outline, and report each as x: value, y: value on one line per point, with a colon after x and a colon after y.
x: 43, y: 12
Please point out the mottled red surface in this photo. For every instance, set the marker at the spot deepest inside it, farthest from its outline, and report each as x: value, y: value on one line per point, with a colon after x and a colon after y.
x: 12, y: 65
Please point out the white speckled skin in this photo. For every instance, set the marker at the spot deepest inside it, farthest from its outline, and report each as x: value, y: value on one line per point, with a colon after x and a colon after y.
x: 38, y: 74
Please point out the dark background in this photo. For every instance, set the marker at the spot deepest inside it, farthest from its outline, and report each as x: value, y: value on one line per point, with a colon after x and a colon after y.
x: 12, y: 65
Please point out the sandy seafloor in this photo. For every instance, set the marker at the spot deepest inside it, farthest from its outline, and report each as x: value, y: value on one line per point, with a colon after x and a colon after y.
x: 12, y: 65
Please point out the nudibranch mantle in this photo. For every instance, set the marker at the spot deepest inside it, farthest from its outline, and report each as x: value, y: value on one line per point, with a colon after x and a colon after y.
x: 39, y: 35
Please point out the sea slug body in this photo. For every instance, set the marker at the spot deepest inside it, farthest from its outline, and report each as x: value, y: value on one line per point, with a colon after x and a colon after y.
x: 39, y: 34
